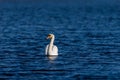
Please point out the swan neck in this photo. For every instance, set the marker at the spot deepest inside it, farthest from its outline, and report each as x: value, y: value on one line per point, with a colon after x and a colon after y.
x: 51, y: 45
x: 52, y: 41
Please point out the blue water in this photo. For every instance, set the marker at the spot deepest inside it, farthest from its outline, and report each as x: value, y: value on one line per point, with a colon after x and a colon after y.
x: 88, y: 39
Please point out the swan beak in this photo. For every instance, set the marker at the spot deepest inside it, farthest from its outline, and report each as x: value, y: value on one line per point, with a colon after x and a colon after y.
x: 47, y: 38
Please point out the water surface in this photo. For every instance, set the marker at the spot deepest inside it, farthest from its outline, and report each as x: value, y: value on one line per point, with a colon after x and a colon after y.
x: 88, y: 39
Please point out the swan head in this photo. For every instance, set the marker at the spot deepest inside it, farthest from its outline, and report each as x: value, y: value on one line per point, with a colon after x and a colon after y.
x: 50, y: 36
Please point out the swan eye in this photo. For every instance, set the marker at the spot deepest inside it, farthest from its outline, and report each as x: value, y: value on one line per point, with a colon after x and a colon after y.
x: 49, y: 35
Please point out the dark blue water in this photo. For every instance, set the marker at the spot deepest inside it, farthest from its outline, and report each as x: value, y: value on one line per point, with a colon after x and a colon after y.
x: 88, y: 39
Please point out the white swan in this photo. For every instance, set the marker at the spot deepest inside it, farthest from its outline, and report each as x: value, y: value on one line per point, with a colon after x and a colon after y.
x: 51, y: 49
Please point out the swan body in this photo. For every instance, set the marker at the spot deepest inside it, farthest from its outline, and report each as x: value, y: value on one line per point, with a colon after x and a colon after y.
x: 51, y: 49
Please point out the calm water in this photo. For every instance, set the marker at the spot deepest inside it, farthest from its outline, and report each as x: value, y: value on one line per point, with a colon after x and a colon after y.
x: 88, y: 39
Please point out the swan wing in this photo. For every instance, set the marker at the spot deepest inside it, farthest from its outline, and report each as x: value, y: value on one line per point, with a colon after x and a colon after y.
x: 55, y: 50
x: 46, y: 50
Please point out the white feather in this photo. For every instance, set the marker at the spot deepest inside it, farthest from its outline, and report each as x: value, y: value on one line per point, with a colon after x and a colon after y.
x: 53, y: 52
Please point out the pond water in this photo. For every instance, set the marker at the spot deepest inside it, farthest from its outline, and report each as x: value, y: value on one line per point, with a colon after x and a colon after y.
x: 88, y: 40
